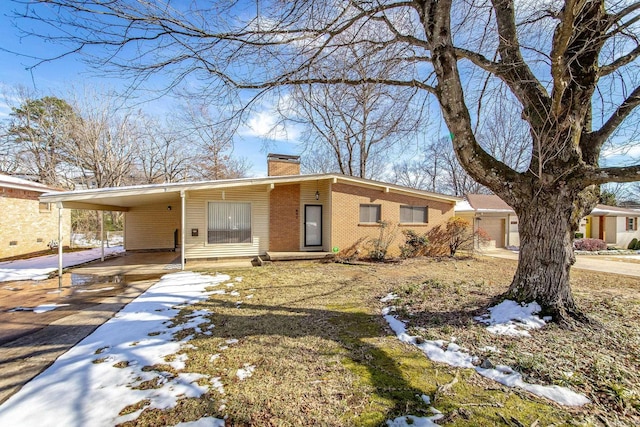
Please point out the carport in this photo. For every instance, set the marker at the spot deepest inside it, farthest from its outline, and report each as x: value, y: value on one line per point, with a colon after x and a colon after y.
x: 154, y: 206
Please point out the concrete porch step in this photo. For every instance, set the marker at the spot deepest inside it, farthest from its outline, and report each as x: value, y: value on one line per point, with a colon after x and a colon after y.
x: 297, y: 256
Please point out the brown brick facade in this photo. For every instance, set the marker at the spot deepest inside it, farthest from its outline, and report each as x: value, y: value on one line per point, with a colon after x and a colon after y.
x: 284, y: 218
x: 347, y: 230
x: 283, y: 168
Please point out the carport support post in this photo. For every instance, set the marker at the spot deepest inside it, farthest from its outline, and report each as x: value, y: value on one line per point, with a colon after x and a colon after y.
x: 59, y: 205
x: 182, y: 232
x: 102, y: 235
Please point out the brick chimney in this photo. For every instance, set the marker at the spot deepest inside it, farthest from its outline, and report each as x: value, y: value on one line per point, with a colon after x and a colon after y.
x: 282, y: 164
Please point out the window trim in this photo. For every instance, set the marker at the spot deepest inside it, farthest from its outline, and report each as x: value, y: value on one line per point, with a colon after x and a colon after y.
x: 633, y: 221
x: 369, y: 205
x: 413, y: 207
x: 250, y: 204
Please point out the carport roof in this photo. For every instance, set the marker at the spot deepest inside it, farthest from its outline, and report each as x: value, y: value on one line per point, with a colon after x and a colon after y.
x: 123, y: 198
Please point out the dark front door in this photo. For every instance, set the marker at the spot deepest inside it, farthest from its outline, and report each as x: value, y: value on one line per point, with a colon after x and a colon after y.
x: 313, y: 225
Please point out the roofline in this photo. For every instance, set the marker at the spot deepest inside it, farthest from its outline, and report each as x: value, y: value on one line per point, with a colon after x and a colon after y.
x: 230, y: 183
x: 38, y: 188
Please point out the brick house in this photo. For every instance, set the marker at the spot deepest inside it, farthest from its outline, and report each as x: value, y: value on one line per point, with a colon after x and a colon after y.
x: 284, y: 212
x: 26, y: 224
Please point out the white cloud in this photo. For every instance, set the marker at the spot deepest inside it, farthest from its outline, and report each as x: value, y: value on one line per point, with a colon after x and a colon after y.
x: 268, y: 124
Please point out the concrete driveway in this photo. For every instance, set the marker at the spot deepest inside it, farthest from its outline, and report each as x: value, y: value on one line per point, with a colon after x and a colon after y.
x: 90, y: 295
x: 627, y: 265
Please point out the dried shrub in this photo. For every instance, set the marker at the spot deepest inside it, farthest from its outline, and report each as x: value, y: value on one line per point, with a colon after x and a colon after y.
x: 455, y: 235
x: 590, y: 245
x: 380, y: 246
x: 414, y: 244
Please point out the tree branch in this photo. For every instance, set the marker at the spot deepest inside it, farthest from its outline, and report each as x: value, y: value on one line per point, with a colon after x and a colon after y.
x: 605, y: 70
x: 596, y: 139
x: 614, y: 174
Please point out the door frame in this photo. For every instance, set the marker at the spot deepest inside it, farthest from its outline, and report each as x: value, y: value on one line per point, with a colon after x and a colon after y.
x: 306, y: 245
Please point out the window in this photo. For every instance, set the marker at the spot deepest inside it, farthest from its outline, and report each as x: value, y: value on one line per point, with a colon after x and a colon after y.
x: 369, y: 213
x: 44, y: 207
x: 229, y: 222
x: 632, y: 223
x: 413, y: 214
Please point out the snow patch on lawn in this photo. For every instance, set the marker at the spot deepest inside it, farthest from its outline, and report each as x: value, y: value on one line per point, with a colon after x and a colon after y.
x: 513, y: 319
x: 246, y: 372
x: 107, y: 366
x: 455, y: 355
x: 413, y: 421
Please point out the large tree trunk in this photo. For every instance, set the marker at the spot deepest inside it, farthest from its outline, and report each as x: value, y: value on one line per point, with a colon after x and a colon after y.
x: 547, y: 226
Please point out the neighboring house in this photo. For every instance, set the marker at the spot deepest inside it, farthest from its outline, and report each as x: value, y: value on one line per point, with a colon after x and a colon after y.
x: 493, y: 215
x: 26, y: 224
x: 616, y: 226
x: 284, y: 212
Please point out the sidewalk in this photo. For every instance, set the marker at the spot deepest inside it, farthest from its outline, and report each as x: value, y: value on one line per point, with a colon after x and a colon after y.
x: 614, y: 264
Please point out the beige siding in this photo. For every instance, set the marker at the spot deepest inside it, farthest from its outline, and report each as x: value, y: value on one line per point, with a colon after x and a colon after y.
x: 196, y: 218
x: 24, y: 229
x: 308, y: 197
x: 151, y: 227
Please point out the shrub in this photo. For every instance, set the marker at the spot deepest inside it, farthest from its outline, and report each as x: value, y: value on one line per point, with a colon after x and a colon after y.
x: 578, y: 235
x: 633, y: 244
x: 380, y: 246
x: 414, y: 244
x: 456, y: 234
x: 590, y: 245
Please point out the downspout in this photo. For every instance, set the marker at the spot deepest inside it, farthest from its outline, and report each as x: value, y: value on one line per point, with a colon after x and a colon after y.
x: 182, y: 225
x: 59, y: 205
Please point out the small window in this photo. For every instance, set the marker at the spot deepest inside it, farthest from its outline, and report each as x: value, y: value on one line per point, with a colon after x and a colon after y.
x: 413, y: 214
x: 632, y: 224
x: 44, y: 207
x: 229, y: 222
x: 369, y: 213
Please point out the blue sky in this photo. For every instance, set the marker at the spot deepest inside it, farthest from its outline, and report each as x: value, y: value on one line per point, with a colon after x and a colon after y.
x: 70, y: 73
x: 63, y: 75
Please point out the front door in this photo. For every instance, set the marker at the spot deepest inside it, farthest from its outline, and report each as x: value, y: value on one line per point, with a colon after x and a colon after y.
x: 313, y: 225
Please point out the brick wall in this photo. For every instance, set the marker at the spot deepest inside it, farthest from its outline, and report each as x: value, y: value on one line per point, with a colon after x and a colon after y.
x: 24, y: 228
x: 284, y: 218
x: 347, y: 230
x: 282, y: 168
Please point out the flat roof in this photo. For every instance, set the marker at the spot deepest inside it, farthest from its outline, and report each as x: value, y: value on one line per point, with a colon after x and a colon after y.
x: 9, y: 181
x: 121, y: 198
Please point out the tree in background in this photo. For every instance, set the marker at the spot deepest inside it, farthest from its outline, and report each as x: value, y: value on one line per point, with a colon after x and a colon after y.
x: 354, y: 129
x: 211, y: 142
x: 38, y: 132
x: 570, y: 67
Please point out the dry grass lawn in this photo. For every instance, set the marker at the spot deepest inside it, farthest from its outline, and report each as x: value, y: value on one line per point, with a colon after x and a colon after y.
x: 323, y: 354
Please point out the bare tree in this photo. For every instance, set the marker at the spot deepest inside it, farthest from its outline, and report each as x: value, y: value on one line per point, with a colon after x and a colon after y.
x: 438, y: 170
x: 161, y: 154
x: 212, y: 139
x: 103, y: 148
x: 355, y: 128
x: 571, y: 67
